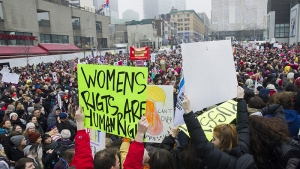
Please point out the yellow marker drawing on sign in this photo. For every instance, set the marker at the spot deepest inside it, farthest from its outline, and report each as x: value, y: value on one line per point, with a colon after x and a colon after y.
x: 225, y: 113
x: 113, y: 98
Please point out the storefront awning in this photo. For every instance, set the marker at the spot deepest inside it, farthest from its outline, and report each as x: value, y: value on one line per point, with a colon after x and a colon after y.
x: 59, y: 48
x: 21, y: 51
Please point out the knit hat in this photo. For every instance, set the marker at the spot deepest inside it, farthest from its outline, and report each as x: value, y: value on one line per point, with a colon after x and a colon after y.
x: 28, y: 125
x: 271, y: 87
x: 37, y: 100
x: 30, y: 109
x: 290, y: 75
x: 297, y: 82
x: 33, y: 136
x: 63, y: 115
x: 51, y: 128
x: 37, y: 106
x: 16, y: 140
x: 11, y: 114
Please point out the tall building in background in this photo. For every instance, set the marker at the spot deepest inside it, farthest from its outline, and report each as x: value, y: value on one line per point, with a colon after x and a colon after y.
x: 74, y: 2
x: 165, y: 6
x: 150, y: 9
x: 241, y: 20
x: 114, y: 9
x: 131, y: 14
x: 88, y: 5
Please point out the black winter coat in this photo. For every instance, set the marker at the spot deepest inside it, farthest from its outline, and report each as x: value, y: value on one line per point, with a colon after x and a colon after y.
x: 16, y: 154
x: 213, y: 156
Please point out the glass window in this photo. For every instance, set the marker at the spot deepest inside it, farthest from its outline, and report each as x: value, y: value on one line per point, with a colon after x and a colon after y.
x: 42, y: 38
x: 179, y: 15
x: 43, y: 18
x: 20, y: 42
x: 76, y: 22
x: 11, y: 41
x: 2, y: 40
x: 282, y: 30
x: 65, y: 39
x: 1, y: 13
x: 54, y: 39
x: 99, y: 27
x: 47, y: 38
x: 60, y: 39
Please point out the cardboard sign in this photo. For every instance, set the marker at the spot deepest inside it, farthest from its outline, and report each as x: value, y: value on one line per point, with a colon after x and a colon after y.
x: 139, y: 63
x: 223, y: 114
x: 202, y: 91
x: 54, y: 76
x: 139, y: 53
x: 125, y: 63
x: 152, y: 57
x: 113, y: 98
x: 97, y: 140
x: 159, y: 112
x: 178, y: 119
x: 10, y: 77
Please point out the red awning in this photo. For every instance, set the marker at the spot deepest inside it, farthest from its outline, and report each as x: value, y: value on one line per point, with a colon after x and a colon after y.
x: 59, y: 48
x: 21, y: 50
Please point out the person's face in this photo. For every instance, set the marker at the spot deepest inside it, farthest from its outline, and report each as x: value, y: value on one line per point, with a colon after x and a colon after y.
x: 34, y: 120
x: 29, y: 165
x: 216, y: 141
x: 14, y: 117
x: 7, y: 124
x: 19, y: 129
x: 39, y: 140
x: 117, y: 165
x: 57, y: 112
x: 55, y: 131
x: 48, y: 140
x: 37, y: 113
x: 23, y: 143
x: 31, y: 129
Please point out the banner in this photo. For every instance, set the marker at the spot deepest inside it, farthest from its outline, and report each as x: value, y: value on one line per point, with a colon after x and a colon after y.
x: 159, y: 112
x: 223, y: 114
x: 139, y: 53
x: 113, y: 98
x: 217, y: 66
x: 10, y: 77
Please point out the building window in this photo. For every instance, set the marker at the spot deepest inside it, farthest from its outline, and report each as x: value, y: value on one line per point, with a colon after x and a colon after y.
x: 76, y: 22
x: 102, y: 43
x: 16, y: 38
x: 1, y: 13
x: 99, y: 27
x: 43, y: 18
x: 179, y: 15
x: 49, y: 38
x: 187, y: 15
x: 187, y: 28
x: 282, y: 30
x: 187, y: 19
x: 82, y: 42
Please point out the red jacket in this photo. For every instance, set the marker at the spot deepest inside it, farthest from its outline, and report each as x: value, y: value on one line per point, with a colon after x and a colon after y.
x: 83, y: 158
x: 134, y: 158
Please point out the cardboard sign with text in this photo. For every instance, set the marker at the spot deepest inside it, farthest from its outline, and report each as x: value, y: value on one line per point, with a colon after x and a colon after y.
x: 209, y: 73
x: 97, y: 140
x: 223, y: 114
x: 159, y: 112
x: 113, y: 98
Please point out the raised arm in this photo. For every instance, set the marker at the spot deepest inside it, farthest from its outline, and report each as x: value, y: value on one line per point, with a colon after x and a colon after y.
x: 242, y: 120
x: 213, y: 156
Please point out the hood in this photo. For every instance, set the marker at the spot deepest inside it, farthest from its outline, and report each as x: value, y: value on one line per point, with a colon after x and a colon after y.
x: 252, y: 110
x: 290, y: 115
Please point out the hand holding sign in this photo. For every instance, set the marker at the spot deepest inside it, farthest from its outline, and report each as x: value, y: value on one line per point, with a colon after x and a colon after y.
x: 240, y: 92
x: 186, y: 104
x: 174, y: 132
x: 79, y: 116
x: 142, y: 129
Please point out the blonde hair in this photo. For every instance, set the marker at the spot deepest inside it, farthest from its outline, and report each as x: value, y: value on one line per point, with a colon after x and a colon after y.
x: 10, y: 109
x: 227, y: 135
x: 108, y: 142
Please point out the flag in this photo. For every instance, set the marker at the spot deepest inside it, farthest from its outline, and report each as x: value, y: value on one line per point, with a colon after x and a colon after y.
x: 178, y: 120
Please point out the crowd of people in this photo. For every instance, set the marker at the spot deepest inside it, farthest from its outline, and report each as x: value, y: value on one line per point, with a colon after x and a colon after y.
x: 38, y: 132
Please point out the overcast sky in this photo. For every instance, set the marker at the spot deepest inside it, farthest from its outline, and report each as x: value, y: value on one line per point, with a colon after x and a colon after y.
x: 137, y: 5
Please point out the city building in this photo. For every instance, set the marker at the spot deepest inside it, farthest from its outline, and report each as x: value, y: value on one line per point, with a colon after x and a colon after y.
x: 167, y: 29
x: 278, y: 21
x: 143, y: 33
x: 88, y: 5
x: 53, y: 27
x: 150, y: 9
x: 165, y: 6
x: 118, y: 34
x: 131, y: 15
x: 207, y: 24
x: 240, y: 20
x: 190, y: 27
x: 114, y: 9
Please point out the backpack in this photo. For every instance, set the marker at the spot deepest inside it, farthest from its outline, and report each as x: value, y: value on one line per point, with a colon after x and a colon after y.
x: 285, y: 151
x: 245, y: 161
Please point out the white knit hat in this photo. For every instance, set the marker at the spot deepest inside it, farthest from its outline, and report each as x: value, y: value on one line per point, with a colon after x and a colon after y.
x: 28, y: 125
x: 13, y: 113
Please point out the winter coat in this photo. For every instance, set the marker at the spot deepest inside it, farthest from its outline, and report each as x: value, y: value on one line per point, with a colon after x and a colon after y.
x: 16, y: 154
x: 4, y: 163
x: 83, y: 153
x: 293, y: 121
x: 213, y: 156
x: 51, y: 120
x: 134, y: 158
x: 66, y: 125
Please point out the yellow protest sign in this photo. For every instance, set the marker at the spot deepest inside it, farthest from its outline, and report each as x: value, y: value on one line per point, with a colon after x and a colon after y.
x: 225, y: 113
x: 113, y: 98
